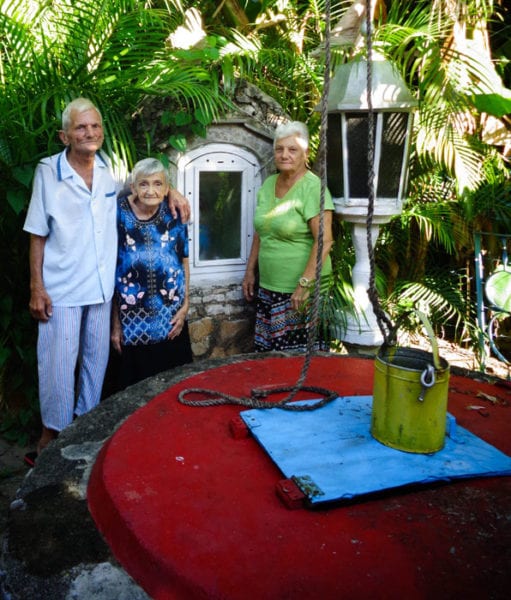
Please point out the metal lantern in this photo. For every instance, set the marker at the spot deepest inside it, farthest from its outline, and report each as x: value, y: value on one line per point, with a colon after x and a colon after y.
x: 348, y: 123
x: 347, y: 166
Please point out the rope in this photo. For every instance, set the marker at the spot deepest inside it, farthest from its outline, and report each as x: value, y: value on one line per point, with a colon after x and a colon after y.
x: 384, y: 322
x: 215, y: 397
x: 313, y: 326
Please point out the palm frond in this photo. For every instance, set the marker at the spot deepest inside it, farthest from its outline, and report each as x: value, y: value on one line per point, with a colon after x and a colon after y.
x: 441, y: 295
x: 433, y: 220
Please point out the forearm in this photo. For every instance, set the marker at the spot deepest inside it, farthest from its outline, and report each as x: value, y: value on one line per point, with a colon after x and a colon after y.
x: 248, y: 284
x: 302, y: 290
x: 179, y: 319
x: 177, y: 202
x: 40, y: 305
x: 310, y: 268
x: 116, y: 328
x: 36, y: 256
x: 253, y: 257
x: 309, y: 271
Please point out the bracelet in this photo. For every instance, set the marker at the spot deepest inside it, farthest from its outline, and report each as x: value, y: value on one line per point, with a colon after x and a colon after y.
x: 306, y: 283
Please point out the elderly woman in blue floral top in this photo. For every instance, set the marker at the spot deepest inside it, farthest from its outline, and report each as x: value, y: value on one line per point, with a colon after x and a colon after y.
x: 149, y: 325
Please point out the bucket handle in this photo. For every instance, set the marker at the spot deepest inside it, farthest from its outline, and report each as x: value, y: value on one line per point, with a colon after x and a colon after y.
x: 431, y: 335
x: 432, y: 339
x: 428, y: 380
x: 428, y: 376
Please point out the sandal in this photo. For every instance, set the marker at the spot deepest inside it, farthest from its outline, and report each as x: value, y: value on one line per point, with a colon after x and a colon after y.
x: 30, y: 458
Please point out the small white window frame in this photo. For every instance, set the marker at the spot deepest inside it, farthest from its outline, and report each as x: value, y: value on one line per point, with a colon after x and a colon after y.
x: 219, y: 157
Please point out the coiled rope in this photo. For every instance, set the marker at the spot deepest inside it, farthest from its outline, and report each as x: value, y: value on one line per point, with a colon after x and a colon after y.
x: 215, y: 398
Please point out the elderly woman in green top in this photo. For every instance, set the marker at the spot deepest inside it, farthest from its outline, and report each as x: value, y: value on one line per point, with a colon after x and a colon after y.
x: 284, y: 248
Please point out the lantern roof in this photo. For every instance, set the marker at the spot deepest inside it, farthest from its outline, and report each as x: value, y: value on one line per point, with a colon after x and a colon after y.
x: 348, y: 87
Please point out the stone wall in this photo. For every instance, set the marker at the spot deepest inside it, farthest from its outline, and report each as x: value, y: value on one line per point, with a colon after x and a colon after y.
x: 221, y: 321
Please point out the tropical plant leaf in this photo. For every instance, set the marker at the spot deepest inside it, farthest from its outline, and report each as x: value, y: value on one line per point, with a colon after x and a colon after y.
x: 493, y: 104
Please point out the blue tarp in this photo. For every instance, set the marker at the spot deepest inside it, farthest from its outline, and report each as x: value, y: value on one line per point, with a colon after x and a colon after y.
x: 332, y: 455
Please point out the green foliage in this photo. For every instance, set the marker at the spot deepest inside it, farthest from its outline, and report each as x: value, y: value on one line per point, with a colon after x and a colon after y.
x: 488, y: 207
x: 19, y: 426
x: 337, y: 302
x: 427, y: 253
x: 453, y: 78
x: 441, y: 292
x: 493, y: 104
x: 118, y: 54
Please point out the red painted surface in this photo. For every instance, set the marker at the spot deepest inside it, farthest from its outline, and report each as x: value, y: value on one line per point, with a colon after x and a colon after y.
x: 192, y: 511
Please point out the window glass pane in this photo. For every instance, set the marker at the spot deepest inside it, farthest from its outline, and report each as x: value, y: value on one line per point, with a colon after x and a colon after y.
x: 358, y: 131
x: 392, y: 149
x: 219, y: 215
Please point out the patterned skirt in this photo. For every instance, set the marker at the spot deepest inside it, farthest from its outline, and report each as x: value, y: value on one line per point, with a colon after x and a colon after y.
x: 278, y: 326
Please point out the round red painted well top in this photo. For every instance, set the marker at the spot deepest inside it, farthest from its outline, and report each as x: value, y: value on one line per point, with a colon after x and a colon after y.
x: 191, y: 510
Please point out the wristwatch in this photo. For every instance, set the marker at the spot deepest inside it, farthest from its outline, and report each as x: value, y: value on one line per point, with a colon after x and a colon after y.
x: 305, y: 283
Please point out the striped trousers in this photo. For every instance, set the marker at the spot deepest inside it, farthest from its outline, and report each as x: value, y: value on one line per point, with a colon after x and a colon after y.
x: 72, y: 355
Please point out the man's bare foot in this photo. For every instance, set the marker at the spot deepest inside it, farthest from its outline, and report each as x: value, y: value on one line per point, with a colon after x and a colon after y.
x: 47, y: 436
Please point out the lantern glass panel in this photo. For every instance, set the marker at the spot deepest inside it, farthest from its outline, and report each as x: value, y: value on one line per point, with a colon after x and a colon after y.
x: 357, y: 132
x: 392, y: 153
x: 356, y: 128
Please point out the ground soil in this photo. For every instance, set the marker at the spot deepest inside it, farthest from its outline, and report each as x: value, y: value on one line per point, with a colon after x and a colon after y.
x: 12, y: 472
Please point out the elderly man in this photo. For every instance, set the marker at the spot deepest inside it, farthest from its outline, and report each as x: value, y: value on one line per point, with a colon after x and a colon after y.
x: 73, y: 247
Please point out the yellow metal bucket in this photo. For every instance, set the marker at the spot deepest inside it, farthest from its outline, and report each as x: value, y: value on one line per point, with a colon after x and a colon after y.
x: 410, y: 398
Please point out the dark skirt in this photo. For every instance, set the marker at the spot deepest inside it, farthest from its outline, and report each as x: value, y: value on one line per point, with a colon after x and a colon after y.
x: 142, y: 361
x: 278, y: 326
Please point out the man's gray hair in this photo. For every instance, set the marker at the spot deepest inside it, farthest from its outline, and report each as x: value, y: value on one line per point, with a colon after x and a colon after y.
x: 292, y: 128
x: 149, y: 166
x: 78, y: 105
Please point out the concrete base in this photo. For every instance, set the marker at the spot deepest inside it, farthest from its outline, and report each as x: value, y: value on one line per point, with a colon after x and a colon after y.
x: 362, y: 335
x: 395, y: 545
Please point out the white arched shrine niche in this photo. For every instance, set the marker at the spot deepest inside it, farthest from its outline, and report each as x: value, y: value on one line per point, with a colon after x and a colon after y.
x: 220, y: 181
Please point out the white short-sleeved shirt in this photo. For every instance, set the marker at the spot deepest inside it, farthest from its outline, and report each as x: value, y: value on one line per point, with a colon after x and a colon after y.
x: 80, y: 227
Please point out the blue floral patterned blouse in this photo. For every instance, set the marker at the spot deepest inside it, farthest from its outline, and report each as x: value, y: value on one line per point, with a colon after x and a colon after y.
x: 150, y: 278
